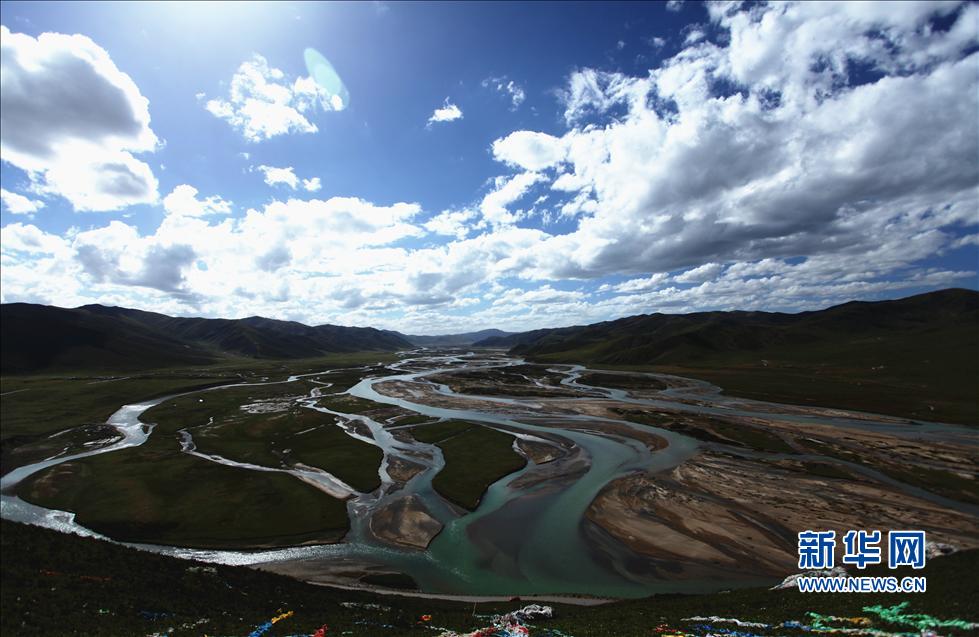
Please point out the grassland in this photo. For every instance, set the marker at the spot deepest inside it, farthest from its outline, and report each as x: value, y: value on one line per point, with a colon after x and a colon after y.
x: 711, y: 429
x: 67, y: 585
x: 155, y: 493
x: 285, y: 434
x: 346, y: 404
x: 475, y: 457
x: 908, y: 382
x: 37, y: 406
x: 916, y: 357
x: 621, y: 381
x: 353, y: 461
x: 33, y: 408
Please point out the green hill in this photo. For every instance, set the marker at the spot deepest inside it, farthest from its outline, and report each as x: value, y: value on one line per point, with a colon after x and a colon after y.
x: 38, y: 338
x: 916, y: 357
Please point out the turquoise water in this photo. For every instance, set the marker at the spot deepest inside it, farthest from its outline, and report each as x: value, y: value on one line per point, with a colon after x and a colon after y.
x: 519, y: 541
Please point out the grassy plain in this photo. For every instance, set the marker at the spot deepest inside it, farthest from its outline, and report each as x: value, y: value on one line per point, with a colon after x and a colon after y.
x: 908, y: 382
x: 156, y: 493
x: 285, y: 434
x: 475, y: 457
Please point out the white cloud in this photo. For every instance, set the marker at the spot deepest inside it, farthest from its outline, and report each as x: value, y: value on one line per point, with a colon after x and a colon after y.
x: 19, y: 204
x: 505, y: 86
x: 794, y: 164
x: 542, y: 295
x: 275, y: 176
x: 455, y: 223
x: 448, y: 112
x: 312, y: 185
x: 28, y: 238
x: 183, y: 201
x: 633, y: 286
x: 530, y: 150
x: 71, y: 119
x: 705, y: 272
x: 593, y: 93
x: 967, y: 240
x: 263, y: 103
x: 506, y: 192
x: 674, y: 5
x: 752, y: 170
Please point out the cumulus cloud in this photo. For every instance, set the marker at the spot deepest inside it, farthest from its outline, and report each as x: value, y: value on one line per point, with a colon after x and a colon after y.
x: 29, y: 239
x: 183, y: 201
x: 72, y: 120
x: 117, y: 255
x: 448, y: 112
x: 286, y: 175
x: 530, y: 150
x: 455, y: 223
x: 799, y: 159
x: 505, y: 192
x: 275, y: 176
x: 507, y: 87
x: 705, y: 272
x: 292, y: 247
x: 262, y: 103
x: 18, y: 204
x: 797, y: 156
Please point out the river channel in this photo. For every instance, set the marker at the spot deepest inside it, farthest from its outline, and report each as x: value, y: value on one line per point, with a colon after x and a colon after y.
x: 519, y: 541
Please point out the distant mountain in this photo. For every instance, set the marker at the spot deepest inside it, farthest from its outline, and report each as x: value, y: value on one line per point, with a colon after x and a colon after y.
x: 40, y: 337
x: 683, y: 339
x: 450, y: 340
x: 515, y: 338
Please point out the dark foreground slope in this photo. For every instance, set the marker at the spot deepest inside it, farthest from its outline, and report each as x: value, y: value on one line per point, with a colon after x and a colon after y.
x: 38, y: 338
x: 57, y: 584
x: 916, y: 357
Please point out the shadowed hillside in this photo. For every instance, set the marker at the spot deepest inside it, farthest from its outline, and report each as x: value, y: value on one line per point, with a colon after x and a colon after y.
x: 453, y: 340
x: 39, y: 338
x: 63, y: 584
x: 917, y: 356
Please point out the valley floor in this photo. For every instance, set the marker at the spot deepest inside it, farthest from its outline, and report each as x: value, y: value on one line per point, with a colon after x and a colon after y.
x: 476, y: 475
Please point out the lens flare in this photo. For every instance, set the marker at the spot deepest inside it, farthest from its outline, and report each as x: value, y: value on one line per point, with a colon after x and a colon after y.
x: 326, y: 78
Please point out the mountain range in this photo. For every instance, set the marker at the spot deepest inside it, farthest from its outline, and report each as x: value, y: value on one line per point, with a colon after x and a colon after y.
x: 454, y: 340
x: 40, y: 337
x: 917, y: 356
x: 670, y: 339
x: 940, y: 326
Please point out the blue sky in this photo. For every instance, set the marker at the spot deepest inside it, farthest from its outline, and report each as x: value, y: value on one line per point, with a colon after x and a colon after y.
x: 498, y: 165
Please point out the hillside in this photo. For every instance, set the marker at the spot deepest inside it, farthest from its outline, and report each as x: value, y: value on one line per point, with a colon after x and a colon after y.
x: 917, y: 356
x: 453, y: 340
x: 55, y: 583
x: 41, y: 338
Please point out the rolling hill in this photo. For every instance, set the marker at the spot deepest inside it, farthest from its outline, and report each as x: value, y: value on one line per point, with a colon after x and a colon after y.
x: 40, y: 338
x: 915, y: 356
x: 453, y: 340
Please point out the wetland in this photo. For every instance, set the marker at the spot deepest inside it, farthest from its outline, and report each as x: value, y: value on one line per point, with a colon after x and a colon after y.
x: 472, y: 473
